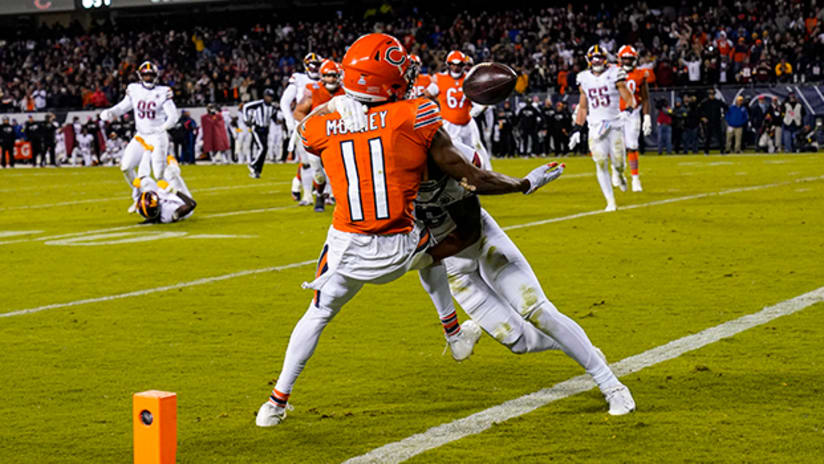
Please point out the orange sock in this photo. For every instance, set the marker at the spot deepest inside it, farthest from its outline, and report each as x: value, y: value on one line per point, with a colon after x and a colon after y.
x: 632, y: 158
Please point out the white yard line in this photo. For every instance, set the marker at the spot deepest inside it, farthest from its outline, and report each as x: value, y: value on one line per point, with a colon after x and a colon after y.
x: 148, y: 291
x: 123, y: 197
x: 288, y: 266
x: 476, y: 423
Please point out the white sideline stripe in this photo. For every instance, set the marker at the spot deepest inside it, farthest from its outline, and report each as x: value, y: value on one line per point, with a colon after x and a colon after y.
x: 115, y: 229
x: 253, y: 271
x: 119, y: 296
x: 665, y: 201
x: 14, y: 233
x: 118, y: 198
x: 476, y: 423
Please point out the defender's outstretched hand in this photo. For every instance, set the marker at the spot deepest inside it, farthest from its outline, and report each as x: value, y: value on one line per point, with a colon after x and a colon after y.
x: 543, y: 175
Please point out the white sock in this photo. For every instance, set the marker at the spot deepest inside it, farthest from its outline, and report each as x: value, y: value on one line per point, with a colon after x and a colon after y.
x: 306, y: 176
x: 604, y: 180
x: 302, y: 345
x: 434, y: 281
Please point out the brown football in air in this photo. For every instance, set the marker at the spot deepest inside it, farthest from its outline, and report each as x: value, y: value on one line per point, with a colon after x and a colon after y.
x: 489, y: 83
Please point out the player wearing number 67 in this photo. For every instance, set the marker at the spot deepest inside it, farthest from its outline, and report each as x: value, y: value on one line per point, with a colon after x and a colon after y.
x: 458, y: 112
x: 375, y: 173
x: 154, y: 114
x: 600, y: 87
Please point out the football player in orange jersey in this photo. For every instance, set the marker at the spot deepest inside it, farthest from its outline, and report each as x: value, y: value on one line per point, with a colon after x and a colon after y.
x: 638, y: 80
x: 316, y: 94
x: 375, y: 174
x: 456, y: 109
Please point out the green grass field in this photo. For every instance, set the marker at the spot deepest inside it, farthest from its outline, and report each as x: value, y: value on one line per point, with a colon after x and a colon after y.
x: 709, y: 240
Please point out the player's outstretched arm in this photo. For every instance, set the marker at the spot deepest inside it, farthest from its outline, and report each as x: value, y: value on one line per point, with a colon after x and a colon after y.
x: 302, y: 108
x: 447, y: 157
x: 117, y: 110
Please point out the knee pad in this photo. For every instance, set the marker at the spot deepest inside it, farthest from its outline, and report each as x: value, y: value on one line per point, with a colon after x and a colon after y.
x: 542, y: 316
x: 171, y: 171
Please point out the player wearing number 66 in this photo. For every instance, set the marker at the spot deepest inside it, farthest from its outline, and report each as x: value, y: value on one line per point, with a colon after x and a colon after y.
x: 375, y: 172
x: 600, y: 87
x: 154, y: 114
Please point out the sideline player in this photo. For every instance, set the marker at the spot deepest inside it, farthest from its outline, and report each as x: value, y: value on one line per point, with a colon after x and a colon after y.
x: 318, y: 93
x: 456, y: 109
x: 601, y: 87
x: 638, y: 80
x: 291, y: 96
x: 375, y: 174
x: 163, y: 205
x: 497, y: 288
x: 154, y: 114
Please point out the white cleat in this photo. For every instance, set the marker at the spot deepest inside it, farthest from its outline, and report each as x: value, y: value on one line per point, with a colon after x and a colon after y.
x: 636, y: 184
x: 132, y: 209
x: 464, y: 342
x: 622, y: 182
x: 620, y: 400
x: 610, y: 207
x: 304, y: 202
x: 270, y: 415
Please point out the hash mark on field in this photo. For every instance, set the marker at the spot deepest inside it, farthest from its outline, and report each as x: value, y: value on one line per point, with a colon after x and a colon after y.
x: 304, y: 263
x: 476, y: 423
x: 206, y: 280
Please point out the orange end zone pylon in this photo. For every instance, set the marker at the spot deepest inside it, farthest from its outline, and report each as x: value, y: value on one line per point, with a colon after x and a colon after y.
x: 154, y: 418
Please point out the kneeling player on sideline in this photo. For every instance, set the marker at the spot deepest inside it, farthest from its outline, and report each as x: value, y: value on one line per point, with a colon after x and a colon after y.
x: 161, y: 203
x: 375, y: 174
x: 497, y: 288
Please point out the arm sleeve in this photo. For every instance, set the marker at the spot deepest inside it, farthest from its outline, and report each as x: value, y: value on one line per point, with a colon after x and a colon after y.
x: 286, y: 100
x: 427, y: 121
x: 172, y: 114
x: 123, y: 107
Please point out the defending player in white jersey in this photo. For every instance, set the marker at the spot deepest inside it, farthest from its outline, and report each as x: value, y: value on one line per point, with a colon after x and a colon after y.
x: 601, y: 87
x: 497, y: 288
x: 154, y: 114
x: 162, y: 203
x: 288, y: 101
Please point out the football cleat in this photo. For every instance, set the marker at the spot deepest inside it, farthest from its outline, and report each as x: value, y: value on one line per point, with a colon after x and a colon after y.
x: 133, y: 209
x: 320, y: 204
x: 462, y: 344
x: 636, y: 184
x: 296, y: 189
x: 611, y: 207
x: 620, y: 400
x: 622, y: 182
x: 270, y: 415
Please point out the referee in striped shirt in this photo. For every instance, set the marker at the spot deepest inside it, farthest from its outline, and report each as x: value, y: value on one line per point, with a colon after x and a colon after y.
x: 258, y: 115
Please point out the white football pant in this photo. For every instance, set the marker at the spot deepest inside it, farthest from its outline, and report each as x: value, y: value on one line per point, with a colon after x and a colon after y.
x: 468, y: 134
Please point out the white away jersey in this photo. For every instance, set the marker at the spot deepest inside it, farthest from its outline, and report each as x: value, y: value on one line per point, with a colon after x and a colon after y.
x: 602, y: 93
x: 149, y: 113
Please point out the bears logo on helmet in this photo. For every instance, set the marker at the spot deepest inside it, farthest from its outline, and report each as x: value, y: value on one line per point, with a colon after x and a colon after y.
x: 628, y: 57
x: 147, y: 69
x: 149, y: 205
x: 311, y: 63
x: 376, y: 69
x: 455, y: 61
x: 596, y: 58
x: 330, y: 73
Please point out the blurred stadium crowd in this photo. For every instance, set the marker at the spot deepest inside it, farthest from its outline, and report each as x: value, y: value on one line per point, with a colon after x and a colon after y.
x: 694, y: 43
x: 689, y: 47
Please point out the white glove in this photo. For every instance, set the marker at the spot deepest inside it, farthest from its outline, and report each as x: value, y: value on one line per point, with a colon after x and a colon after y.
x: 574, y: 138
x: 351, y: 111
x: 646, y: 126
x: 106, y: 115
x: 543, y: 175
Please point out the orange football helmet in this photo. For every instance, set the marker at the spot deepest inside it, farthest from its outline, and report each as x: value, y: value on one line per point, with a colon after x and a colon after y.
x: 376, y: 69
x: 455, y: 62
x: 628, y: 57
x: 415, y: 59
x: 330, y: 74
